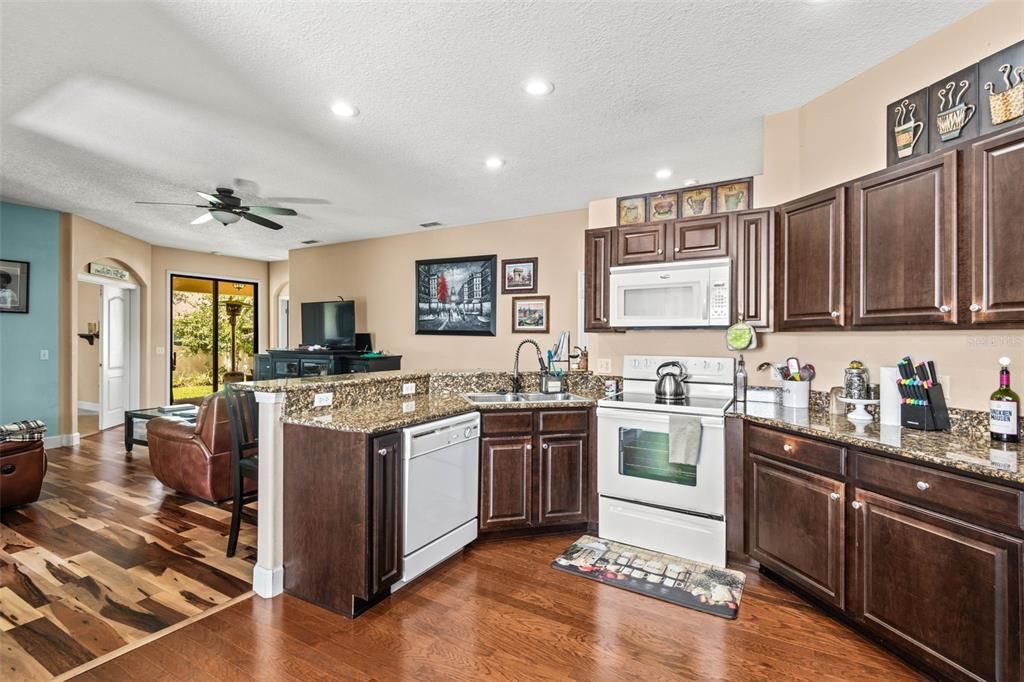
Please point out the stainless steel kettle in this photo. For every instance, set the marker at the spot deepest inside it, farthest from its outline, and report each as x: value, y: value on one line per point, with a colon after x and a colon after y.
x: 670, y: 384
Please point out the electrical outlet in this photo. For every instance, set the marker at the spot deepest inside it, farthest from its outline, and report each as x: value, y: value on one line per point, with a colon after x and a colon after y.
x: 323, y: 399
x: 776, y: 374
x: 604, y: 365
x: 947, y: 390
x: 409, y: 406
x: 159, y: 350
x: 44, y: 355
x: 409, y: 388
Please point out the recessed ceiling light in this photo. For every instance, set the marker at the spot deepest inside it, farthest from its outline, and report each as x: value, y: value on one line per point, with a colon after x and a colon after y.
x: 689, y: 182
x: 494, y: 162
x: 538, y: 87
x: 663, y: 173
x: 344, y: 109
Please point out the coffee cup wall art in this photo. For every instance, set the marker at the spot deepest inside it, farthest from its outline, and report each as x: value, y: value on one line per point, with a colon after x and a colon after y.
x: 733, y: 197
x: 908, y: 127
x: 697, y: 202
x: 632, y: 210
x: 664, y: 206
x: 954, y: 109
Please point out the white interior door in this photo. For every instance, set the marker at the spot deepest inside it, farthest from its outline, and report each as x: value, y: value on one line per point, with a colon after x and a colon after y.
x: 115, y: 358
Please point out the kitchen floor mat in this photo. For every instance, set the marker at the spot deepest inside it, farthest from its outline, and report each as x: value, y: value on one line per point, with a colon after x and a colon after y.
x: 663, y: 576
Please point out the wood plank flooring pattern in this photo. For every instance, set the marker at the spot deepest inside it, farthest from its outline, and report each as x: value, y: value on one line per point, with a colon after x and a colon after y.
x: 500, y: 612
x: 106, y: 557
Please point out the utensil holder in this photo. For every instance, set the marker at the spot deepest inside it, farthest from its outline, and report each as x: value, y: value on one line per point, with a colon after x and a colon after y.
x: 933, y: 416
x: 796, y: 394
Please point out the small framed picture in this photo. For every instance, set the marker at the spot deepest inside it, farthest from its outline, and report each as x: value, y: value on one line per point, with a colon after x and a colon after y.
x: 519, y: 276
x: 697, y: 202
x: 664, y: 206
x: 632, y: 210
x: 14, y: 286
x: 530, y: 314
x: 733, y: 196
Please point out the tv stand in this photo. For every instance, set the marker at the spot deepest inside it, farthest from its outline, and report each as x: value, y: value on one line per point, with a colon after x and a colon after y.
x: 298, y: 362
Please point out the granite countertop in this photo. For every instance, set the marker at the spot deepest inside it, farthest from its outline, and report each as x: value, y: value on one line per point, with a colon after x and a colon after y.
x: 386, y: 415
x: 328, y: 381
x: 974, y: 453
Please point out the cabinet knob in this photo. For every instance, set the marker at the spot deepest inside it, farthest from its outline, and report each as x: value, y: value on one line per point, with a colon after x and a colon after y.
x: 676, y: 249
x: 545, y: 446
x: 833, y: 496
x: 529, y: 447
x: 923, y: 485
x: 975, y: 307
x: 944, y: 308
x: 787, y: 447
x: 856, y: 505
x: 604, y: 319
x: 835, y: 314
x: 382, y: 452
x: 660, y: 252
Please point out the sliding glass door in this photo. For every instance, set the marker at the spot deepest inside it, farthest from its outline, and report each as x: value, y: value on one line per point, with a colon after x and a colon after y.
x: 213, y: 335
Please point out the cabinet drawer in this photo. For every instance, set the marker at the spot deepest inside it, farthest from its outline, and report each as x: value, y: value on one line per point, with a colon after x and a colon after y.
x: 977, y: 501
x: 562, y: 421
x: 787, y: 447
x: 518, y: 422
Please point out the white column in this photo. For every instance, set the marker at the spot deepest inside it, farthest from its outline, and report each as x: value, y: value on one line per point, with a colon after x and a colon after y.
x: 268, y: 574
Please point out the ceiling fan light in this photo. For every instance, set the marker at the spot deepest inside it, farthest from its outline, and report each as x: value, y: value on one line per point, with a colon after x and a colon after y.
x: 225, y: 217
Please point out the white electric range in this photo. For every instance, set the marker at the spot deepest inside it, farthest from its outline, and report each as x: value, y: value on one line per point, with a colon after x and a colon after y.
x: 644, y: 499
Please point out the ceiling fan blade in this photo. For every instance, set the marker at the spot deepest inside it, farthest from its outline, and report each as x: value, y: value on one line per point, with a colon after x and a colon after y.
x: 271, y: 210
x: 209, y: 197
x: 203, y: 218
x: 167, y: 203
x: 262, y: 221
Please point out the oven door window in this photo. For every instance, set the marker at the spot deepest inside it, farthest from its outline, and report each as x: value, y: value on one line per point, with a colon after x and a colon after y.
x: 644, y: 454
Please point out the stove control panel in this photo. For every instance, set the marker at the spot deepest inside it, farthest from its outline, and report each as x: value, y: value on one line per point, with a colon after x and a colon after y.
x: 711, y: 370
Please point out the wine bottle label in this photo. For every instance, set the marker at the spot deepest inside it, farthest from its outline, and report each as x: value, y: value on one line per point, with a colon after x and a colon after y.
x: 1003, y: 417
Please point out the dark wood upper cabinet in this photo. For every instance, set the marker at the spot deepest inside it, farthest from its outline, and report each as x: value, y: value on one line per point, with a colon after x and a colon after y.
x: 945, y: 592
x: 638, y: 244
x: 997, y: 230
x: 597, y: 258
x: 795, y: 526
x: 386, y: 501
x: 903, y: 244
x: 506, y: 473
x: 563, y: 479
x: 753, y: 245
x: 809, y: 283
x: 704, y: 237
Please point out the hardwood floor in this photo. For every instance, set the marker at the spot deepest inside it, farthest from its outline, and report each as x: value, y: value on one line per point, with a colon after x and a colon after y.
x: 107, y: 557
x: 500, y: 612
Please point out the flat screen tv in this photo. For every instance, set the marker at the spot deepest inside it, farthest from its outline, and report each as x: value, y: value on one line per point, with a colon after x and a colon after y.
x: 329, y: 323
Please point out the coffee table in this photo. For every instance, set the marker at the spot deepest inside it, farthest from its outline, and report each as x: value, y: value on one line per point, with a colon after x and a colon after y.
x: 188, y: 415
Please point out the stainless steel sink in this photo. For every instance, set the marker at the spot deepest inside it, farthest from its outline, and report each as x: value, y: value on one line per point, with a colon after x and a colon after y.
x: 520, y: 397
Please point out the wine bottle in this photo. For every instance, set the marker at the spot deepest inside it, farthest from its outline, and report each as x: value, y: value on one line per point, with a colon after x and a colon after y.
x: 1004, y: 408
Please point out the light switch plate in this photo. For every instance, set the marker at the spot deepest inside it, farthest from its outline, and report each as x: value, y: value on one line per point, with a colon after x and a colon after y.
x: 409, y: 388
x: 604, y: 365
x: 323, y: 399
x: 409, y: 406
x: 44, y: 355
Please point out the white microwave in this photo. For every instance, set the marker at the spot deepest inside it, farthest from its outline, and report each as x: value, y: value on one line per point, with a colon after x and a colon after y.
x: 693, y: 293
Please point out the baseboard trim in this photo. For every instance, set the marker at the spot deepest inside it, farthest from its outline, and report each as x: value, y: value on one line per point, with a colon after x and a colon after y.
x: 84, y: 406
x: 64, y: 440
x: 267, y: 583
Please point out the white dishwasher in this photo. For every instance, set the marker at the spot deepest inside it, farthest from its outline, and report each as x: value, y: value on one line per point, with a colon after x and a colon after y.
x: 441, y: 481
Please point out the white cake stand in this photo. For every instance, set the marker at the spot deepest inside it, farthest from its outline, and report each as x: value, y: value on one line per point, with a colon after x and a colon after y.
x: 859, y: 415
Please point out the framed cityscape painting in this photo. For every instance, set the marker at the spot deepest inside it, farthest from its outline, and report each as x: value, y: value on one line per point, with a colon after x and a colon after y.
x: 456, y: 296
x: 530, y: 314
x: 13, y: 286
x: 519, y: 276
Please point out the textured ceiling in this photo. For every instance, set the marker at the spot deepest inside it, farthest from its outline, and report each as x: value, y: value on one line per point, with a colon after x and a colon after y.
x: 106, y: 103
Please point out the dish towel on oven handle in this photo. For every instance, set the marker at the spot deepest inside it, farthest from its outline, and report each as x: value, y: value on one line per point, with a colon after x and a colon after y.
x: 683, y: 439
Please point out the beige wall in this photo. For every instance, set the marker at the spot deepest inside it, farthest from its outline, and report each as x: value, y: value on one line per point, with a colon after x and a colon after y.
x: 277, y: 277
x: 379, y: 274
x: 167, y: 261
x: 830, y: 140
x: 88, y: 356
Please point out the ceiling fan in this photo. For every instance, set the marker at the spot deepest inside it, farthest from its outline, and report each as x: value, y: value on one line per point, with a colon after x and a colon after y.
x: 226, y: 208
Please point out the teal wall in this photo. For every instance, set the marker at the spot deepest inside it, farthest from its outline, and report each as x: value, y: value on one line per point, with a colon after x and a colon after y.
x: 29, y: 387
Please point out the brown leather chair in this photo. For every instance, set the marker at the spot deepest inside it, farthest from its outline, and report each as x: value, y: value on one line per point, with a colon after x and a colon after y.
x: 22, y: 468
x: 194, y: 459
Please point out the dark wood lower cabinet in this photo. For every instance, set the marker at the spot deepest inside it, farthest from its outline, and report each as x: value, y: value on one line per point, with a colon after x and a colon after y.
x: 928, y: 561
x: 943, y: 591
x: 386, y: 495
x: 539, y: 477
x: 796, y: 526
x: 506, y: 473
